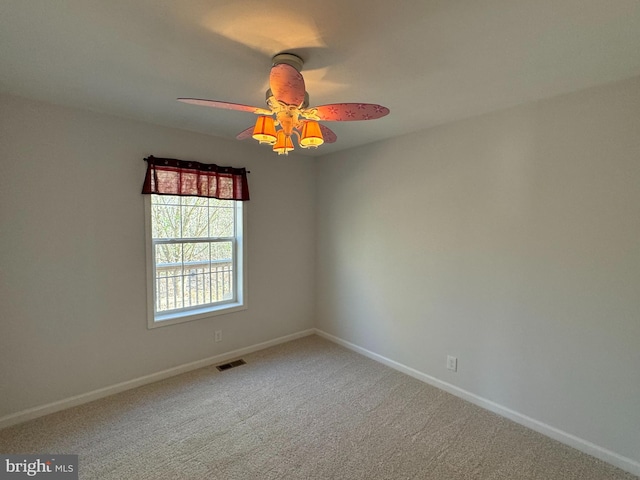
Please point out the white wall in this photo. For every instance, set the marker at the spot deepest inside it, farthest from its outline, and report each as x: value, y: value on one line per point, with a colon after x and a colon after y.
x: 511, y: 241
x: 72, y: 252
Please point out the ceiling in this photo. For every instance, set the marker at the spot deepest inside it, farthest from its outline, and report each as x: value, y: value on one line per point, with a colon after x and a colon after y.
x: 429, y: 61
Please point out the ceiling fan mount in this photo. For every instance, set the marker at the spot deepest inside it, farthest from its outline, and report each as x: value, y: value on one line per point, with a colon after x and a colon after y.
x: 289, y: 59
x: 288, y: 108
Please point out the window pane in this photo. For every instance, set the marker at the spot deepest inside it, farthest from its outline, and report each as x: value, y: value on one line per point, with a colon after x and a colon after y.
x: 165, y: 199
x: 214, y: 202
x: 166, y: 221
x: 197, y: 274
x: 222, y: 271
x: 195, y: 221
x: 168, y: 255
x: 196, y: 254
x: 169, y: 277
x: 201, y: 201
x: 221, y: 221
x: 221, y: 251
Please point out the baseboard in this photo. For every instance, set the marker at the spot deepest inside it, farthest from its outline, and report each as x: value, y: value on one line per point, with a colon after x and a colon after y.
x: 39, y: 411
x: 585, y: 446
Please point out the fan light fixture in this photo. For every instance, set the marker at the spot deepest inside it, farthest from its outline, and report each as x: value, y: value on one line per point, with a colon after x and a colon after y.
x: 283, y: 144
x: 289, y: 113
x: 311, y: 135
x: 265, y: 130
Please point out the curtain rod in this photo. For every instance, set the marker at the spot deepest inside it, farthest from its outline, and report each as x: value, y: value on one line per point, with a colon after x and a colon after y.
x: 152, y: 157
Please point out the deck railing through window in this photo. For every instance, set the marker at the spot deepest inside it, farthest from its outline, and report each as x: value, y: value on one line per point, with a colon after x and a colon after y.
x: 189, y: 284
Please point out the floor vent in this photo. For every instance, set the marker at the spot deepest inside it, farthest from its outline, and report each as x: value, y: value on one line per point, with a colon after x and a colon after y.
x: 227, y: 366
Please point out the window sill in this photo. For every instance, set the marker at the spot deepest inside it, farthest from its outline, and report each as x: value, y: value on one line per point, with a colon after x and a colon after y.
x: 198, y: 314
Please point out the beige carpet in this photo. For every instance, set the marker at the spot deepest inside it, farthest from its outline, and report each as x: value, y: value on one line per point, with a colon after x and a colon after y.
x: 307, y: 409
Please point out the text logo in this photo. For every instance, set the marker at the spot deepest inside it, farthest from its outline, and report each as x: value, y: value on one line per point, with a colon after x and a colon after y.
x: 51, y: 467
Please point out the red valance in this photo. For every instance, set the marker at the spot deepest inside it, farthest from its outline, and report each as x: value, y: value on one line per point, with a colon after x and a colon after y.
x: 168, y: 176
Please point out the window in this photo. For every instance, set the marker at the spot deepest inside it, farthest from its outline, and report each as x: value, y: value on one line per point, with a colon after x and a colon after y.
x: 195, y: 258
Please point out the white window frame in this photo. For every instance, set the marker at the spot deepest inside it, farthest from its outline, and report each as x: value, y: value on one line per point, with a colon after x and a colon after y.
x: 155, y: 320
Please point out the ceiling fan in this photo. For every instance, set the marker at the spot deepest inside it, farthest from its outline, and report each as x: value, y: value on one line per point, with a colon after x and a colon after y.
x: 288, y: 113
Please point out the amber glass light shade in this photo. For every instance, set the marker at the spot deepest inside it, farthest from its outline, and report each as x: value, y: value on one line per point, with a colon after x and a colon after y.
x: 283, y: 144
x: 311, y: 135
x: 265, y: 130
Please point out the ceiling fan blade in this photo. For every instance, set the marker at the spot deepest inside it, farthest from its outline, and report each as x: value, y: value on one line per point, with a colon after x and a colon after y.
x: 287, y: 84
x: 243, y: 135
x: 226, y: 105
x: 327, y: 134
x: 347, y: 112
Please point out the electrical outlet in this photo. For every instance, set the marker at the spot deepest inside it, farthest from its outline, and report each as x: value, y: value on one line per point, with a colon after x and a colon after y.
x: 218, y: 336
x: 452, y: 363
